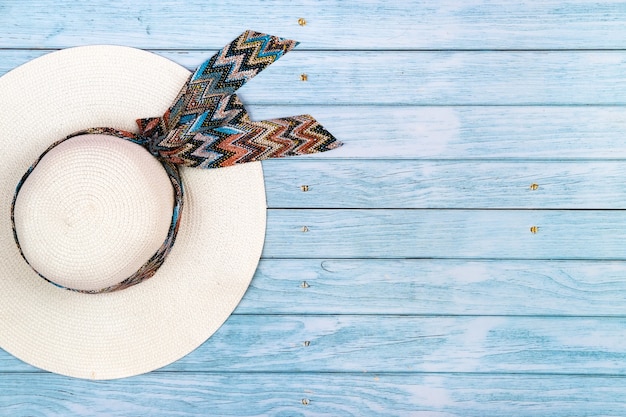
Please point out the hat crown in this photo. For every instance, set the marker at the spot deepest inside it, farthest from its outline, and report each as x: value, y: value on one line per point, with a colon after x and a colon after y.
x: 93, y: 210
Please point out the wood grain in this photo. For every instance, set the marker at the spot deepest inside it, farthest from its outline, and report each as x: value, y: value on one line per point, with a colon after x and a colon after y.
x: 445, y: 287
x: 445, y: 184
x: 354, y: 24
x: 478, y: 133
x: 452, y: 233
x: 468, y: 132
x: 406, y: 344
x: 350, y: 78
x: 271, y: 394
x: 356, y: 78
x: 418, y: 288
x: 344, y: 343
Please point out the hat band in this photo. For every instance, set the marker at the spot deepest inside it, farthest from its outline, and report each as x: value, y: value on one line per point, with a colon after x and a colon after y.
x: 149, y: 268
x: 207, y: 126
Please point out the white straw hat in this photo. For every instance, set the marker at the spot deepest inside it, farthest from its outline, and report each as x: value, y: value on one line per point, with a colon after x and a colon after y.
x: 96, y: 207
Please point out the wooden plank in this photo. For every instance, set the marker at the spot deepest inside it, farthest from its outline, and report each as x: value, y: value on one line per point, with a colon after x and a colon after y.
x: 256, y: 394
x: 368, y: 24
x: 499, y: 132
x: 367, y: 313
x: 445, y: 287
x: 379, y: 343
x: 438, y: 78
x: 407, y: 344
x: 444, y: 184
x: 406, y: 233
x: 426, y: 78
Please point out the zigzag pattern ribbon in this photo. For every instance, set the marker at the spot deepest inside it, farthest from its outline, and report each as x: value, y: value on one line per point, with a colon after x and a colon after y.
x: 208, y: 126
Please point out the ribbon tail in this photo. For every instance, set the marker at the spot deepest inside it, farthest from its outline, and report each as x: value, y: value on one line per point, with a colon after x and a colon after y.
x: 225, y: 72
x: 208, y: 126
x: 249, y: 141
x: 239, y: 61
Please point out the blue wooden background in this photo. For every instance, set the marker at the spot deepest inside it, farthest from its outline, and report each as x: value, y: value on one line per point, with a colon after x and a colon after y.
x: 462, y: 255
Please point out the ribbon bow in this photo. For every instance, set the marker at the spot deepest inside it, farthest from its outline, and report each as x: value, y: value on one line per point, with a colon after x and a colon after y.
x: 208, y: 126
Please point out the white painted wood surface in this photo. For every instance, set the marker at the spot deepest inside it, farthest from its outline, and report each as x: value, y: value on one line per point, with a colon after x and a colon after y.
x: 418, y: 287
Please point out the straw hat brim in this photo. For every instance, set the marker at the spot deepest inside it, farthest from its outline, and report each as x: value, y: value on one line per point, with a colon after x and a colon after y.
x: 219, y: 243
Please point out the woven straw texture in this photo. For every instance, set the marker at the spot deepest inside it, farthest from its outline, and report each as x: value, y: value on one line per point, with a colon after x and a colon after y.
x: 219, y: 242
x: 92, y: 211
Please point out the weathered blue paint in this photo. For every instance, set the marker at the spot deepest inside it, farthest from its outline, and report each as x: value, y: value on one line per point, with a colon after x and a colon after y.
x: 417, y: 78
x: 330, y: 24
x: 446, y: 184
x: 418, y: 287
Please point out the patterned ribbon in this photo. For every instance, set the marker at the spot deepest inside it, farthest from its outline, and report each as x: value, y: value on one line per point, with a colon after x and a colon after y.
x: 208, y: 127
